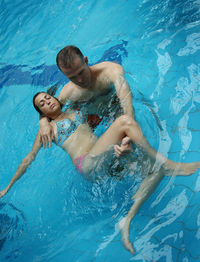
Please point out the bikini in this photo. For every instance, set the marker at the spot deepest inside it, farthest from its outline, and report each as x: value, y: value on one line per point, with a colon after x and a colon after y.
x: 65, y: 128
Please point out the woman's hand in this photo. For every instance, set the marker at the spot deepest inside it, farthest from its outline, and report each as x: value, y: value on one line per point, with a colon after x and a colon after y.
x: 3, y: 192
x: 46, y: 133
x: 124, y: 148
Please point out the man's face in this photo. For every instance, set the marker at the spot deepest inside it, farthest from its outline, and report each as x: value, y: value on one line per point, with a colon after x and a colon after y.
x: 79, y: 72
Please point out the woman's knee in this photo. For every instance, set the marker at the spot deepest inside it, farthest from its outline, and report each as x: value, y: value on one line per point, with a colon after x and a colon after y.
x: 130, y: 128
x: 126, y: 121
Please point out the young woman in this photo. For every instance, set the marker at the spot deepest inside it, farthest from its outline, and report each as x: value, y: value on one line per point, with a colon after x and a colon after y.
x: 74, y: 135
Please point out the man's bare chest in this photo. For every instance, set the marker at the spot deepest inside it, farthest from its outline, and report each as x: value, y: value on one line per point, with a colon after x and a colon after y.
x: 98, y: 103
x: 85, y: 95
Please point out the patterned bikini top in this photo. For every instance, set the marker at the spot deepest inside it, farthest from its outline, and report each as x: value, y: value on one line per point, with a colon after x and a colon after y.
x: 66, y: 127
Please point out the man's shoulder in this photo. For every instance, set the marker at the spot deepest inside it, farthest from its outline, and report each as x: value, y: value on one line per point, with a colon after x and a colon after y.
x: 66, y: 92
x: 108, y: 69
x: 108, y: 64
x: 66, y: 89
x: 112, y: 70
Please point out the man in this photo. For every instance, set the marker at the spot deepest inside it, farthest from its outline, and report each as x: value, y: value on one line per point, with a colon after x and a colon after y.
x: 90, y: 88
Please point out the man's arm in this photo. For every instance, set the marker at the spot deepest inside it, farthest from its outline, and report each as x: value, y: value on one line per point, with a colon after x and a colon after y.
x: 64, y: 94
x: 45, y: 132
x: 123, y: 91
x: 24, y: 165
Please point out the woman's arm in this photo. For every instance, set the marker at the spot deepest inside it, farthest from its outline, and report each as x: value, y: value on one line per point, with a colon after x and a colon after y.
x: 24, y: 165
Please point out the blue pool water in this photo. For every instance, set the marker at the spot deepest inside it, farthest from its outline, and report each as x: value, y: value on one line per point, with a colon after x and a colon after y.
x: 52, y: 214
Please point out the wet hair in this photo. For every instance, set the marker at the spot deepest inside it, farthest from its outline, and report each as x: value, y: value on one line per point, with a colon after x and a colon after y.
x: 52, y: 89
x: 66, y: 56
x: 37, y: 108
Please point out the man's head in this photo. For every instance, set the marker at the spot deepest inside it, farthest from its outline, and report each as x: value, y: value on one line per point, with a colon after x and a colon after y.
x: 74, y: 65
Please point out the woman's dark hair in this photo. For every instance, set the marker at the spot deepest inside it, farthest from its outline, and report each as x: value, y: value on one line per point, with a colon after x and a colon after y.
x: 52, y: 89
x: 37, y: 108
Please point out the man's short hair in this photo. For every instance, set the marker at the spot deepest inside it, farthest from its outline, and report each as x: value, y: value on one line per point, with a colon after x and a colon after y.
x: 66, y: 56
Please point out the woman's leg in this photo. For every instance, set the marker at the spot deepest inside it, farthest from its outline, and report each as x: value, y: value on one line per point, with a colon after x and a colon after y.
x: 145, y: 190
x: 147, y: 187
x: 125, y: 126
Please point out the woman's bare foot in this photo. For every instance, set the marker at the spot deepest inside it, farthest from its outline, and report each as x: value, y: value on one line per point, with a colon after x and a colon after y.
x: 181, y: 169
x: 124, y: 229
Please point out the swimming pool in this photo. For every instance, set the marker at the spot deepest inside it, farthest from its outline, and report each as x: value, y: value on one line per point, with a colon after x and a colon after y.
x: 52, y: 214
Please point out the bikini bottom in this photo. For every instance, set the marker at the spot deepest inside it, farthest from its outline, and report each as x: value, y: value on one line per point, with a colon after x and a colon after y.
x: 78, y: 162
x: 91, y: 166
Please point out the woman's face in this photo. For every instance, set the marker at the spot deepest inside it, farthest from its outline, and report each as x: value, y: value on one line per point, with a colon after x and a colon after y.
x: 79, y: 72
x: 49, y: 105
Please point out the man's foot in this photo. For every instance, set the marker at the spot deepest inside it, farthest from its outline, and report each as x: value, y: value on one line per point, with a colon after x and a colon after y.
x: 124, y: 229
x: 182, y: 169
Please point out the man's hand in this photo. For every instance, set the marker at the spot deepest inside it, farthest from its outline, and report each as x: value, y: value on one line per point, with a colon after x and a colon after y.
x: 46, y: 133
x: 124, y: 148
